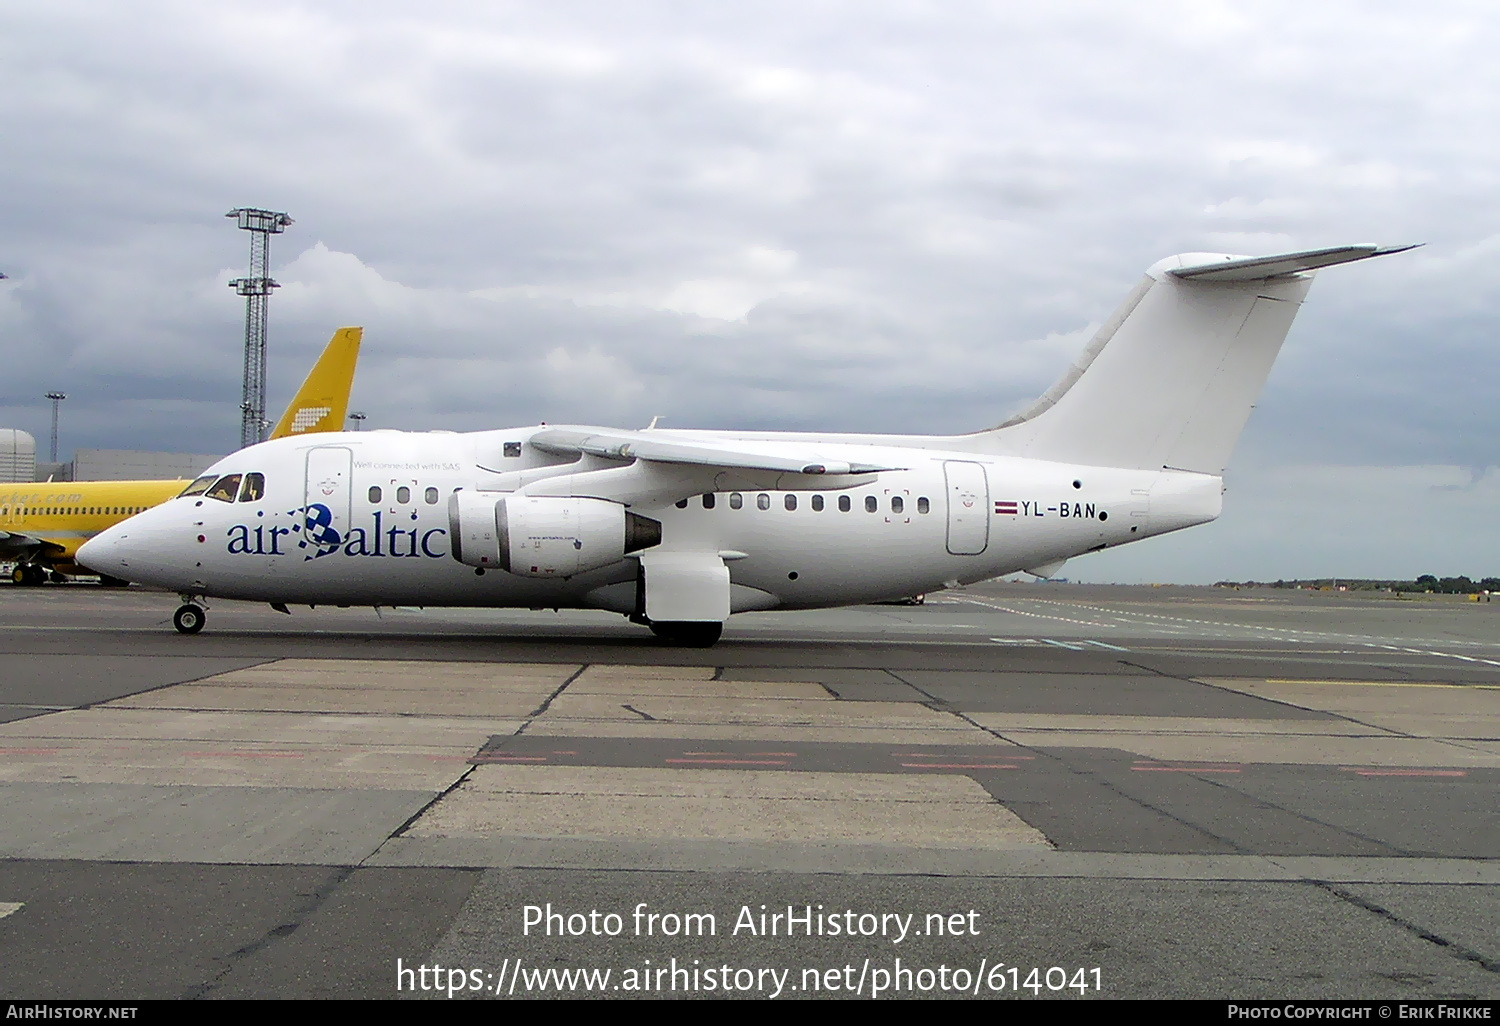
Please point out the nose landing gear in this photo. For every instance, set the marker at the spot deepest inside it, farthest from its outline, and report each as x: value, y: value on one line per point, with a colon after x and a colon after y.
x: 189, y: 618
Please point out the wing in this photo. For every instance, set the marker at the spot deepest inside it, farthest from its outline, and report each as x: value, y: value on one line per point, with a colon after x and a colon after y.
x: 650, y: 467
x: 780, y: 457
x: 14, y: 545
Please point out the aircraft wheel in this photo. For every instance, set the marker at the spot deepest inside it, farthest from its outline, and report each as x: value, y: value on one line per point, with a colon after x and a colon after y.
x: 35, y: 575
x: 57, y: 578
x: 188, y: 619
x: 19, y: 575
x: 688, y: 633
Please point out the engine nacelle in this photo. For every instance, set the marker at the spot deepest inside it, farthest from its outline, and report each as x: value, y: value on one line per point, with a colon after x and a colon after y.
x: 544, y: 536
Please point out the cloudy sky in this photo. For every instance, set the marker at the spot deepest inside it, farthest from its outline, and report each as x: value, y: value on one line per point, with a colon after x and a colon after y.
x: 852, y: 216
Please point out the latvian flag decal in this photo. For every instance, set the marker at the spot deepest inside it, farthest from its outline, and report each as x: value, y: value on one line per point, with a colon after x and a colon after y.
x: 1006, y: 506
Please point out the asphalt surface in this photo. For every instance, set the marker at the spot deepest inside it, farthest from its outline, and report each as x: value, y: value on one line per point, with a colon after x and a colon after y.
x: 1135, y: 792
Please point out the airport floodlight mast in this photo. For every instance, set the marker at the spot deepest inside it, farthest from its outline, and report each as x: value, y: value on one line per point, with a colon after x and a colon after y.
x: 358, y: 418
x: 56, y: 397
x: 261, y: 224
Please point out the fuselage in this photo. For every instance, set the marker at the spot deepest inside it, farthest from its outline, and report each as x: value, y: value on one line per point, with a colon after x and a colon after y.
x: 363, y: 519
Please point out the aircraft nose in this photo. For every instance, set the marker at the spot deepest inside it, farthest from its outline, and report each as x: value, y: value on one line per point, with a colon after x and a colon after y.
x: 112, y: 552
x: 100, y: 554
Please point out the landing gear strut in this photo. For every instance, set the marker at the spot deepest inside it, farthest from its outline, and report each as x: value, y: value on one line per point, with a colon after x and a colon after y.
x: 189, y: 618
x: 688, y: 633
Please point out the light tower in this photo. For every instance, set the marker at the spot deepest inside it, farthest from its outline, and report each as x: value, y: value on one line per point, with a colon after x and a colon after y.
x: 56, y: 397
x: 261, y: 224
x: 358, y: 418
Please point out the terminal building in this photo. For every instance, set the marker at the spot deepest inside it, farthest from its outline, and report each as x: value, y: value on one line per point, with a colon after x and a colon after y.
x: 18, y: 463
x: 135, y: 465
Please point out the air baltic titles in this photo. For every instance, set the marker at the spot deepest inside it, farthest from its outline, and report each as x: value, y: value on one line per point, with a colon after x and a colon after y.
x: 679, y: 529
x: 43, y: 525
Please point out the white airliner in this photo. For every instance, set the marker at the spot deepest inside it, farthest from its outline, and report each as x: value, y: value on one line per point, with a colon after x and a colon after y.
x: 680, y: 529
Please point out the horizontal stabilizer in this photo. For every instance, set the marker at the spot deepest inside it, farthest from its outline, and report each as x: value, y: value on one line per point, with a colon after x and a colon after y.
x: 1282, y: 265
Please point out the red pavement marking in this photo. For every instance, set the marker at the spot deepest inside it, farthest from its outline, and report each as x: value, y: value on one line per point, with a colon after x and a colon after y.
x: 730, y: 762
x: 931, y: 755
x: 1404, y: 772
x: 1188, y: 769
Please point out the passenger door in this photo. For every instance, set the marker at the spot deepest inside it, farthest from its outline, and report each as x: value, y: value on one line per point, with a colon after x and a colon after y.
x: 968, y: 507
x: 329, y: 470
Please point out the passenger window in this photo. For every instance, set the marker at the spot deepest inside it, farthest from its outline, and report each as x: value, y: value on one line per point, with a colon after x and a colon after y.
x: 843, y: 503
x: 403, y: 495
x: 708, y: 500
x: 923, y: 505
x: 199, y: 486
x: 682, y: 504
x: 871, y: 504
x: 896, y: 504
x: 254, y: 489
x: 431, y: 496
x: 762, y: 501
x: 374, y: 493
x: 226, y: 489
x: 736, y: 500
x: 790, y: 502
x: 817, y: 503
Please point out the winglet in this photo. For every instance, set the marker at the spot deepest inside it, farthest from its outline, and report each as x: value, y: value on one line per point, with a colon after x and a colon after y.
x: 323, y: 400
x: 1283, y: 265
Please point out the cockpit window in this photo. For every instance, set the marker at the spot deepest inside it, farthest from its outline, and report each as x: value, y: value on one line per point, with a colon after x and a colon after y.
x: 199, y: 486
x: 254, y: 488
x: 226, y: 488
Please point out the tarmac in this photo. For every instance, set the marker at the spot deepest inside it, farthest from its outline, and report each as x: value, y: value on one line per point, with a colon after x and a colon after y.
x: 1023, y: 791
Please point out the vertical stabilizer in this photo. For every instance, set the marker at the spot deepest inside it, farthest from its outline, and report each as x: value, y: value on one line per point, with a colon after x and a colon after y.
x: 1171, y: 378
x: 323, y: 400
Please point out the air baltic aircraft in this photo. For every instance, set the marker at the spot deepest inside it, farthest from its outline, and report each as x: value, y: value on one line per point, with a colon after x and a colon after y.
x: 42, y: 525
x: 679, y: 529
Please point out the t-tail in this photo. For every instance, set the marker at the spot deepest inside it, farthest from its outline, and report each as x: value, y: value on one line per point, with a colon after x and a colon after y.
x: 1169, y: 380
x: 323, y: 400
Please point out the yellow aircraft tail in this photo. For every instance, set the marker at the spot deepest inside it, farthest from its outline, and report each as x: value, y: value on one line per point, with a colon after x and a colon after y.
x: 323, y: 400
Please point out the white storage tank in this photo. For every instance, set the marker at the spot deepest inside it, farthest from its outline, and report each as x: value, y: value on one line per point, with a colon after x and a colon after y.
x: 17, y: 456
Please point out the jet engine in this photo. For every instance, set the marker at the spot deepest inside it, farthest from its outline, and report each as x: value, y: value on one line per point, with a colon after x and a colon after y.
x: 544, y: 536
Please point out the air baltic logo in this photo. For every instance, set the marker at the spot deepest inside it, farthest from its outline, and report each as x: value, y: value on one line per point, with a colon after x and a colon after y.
x: 312, y: 528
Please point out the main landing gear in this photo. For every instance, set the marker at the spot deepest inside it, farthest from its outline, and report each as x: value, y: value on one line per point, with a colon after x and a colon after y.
x: 189, y: 618
x: 688, y: 633
x: 28, y: 574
